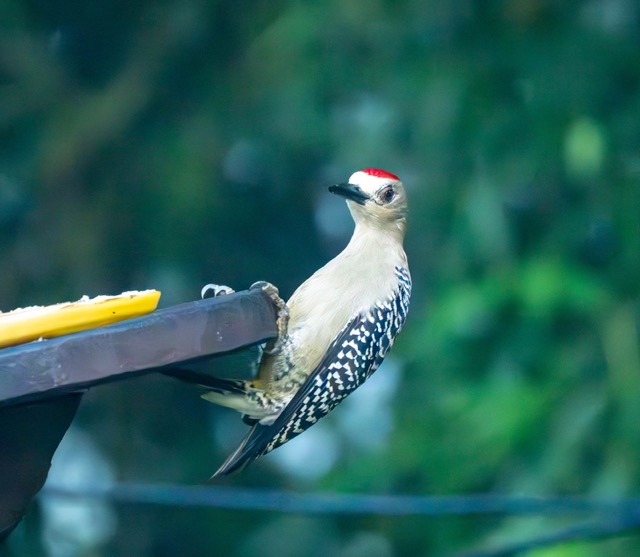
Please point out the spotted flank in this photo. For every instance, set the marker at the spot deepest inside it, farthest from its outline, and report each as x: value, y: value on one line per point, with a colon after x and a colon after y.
x: 354, y: 355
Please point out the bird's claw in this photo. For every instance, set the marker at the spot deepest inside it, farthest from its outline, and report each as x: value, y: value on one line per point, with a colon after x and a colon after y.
x: 282, y: 321
x: 218, y: 290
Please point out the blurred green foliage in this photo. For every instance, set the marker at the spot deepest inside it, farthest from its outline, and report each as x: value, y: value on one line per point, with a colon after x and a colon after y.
x: 169, y: 144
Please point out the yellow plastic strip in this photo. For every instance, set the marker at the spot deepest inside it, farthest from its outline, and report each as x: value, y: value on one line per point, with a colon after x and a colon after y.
x: 32, y: 323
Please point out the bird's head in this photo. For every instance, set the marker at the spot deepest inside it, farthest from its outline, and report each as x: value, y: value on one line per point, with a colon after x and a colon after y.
x: 375, y: 196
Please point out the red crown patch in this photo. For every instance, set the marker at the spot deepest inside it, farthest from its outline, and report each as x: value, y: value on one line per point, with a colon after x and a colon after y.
x: 380, y: 173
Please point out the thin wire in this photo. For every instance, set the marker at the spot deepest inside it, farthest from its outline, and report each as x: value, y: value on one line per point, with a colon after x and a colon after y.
x: 238, y: 498
x: 608, y: 527
x: 615, y: 515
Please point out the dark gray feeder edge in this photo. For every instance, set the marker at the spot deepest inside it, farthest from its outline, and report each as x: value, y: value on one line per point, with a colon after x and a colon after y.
x: 41, y: 383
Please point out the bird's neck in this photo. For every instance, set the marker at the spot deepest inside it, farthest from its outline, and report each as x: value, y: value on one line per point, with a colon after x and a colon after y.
x: 378, y: 243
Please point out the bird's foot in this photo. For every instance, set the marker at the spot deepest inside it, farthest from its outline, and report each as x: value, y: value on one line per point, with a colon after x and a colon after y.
x: 217, y: 289
x: 283, y: 315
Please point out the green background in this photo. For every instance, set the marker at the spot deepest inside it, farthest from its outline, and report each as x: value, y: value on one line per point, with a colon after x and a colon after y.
x: 170, y: 144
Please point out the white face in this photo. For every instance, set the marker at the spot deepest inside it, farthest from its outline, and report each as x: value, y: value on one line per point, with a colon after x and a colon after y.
x: 387, y: 201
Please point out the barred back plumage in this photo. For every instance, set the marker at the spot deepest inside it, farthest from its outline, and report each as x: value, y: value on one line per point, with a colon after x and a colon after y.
x: 352, y: 358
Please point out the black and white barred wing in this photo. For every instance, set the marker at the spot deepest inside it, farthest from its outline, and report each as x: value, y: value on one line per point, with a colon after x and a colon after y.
x: 338, y: 374
x: 352, y: 357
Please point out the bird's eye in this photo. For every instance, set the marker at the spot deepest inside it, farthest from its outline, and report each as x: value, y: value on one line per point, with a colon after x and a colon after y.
x: 388, y: 194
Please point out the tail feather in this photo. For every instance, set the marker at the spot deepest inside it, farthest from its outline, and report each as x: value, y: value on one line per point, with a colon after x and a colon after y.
x: 258, y: 442
x: 241, y: 396
x: 254, y: 445
x: 238, y: 459
x: 236, y: 386
x: 226, y: 386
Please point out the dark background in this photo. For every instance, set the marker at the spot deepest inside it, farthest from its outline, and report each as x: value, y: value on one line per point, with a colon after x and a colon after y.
x: 170, y: 144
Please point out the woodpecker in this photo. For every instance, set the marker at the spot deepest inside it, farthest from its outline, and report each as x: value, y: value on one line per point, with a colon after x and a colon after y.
x: 342, y: 321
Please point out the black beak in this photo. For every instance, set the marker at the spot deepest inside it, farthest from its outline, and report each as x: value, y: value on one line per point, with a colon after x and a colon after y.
x: 350, y: 192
